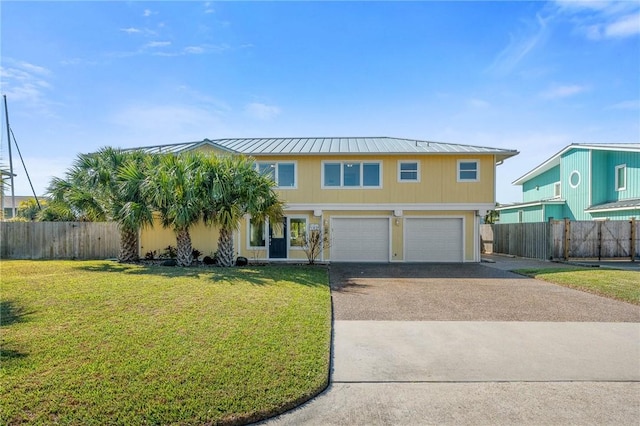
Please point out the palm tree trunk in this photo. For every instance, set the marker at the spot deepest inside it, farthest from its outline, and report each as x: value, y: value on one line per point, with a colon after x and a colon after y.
x: 184, y: 247
x: 128, y: 245
x: 225, y: 247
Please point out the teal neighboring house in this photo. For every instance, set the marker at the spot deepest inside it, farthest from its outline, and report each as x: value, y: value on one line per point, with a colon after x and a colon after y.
x: 581, y: 182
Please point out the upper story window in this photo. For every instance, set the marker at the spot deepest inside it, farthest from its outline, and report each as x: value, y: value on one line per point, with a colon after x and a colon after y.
x: 283, y: 174
x: 351, y: 174
x: 468, y: 171
x: 621, y: 177
x: 557, y: 190
x: 408, y: 171
x: 574, y: 179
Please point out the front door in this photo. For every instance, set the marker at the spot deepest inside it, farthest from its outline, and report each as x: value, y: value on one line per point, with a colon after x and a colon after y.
x: 278, y: 240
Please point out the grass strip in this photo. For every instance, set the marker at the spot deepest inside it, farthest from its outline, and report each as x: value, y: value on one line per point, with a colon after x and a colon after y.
x: 616, y: 284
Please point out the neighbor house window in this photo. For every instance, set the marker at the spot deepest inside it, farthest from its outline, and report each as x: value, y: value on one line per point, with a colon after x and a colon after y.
x: 468, y: 171
x: 520, y: 216
x: 556, y: 190
x: 283, y: 174
x: 408, y: 171
x: 574, y: 179
x: 621, y: 177
x: 256, y: 234
x: 351, y: 174
x: 297, y: 232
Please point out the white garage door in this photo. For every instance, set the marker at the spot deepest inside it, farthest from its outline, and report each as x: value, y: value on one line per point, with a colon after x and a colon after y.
x: 433, y: 240
x: 360, y: 240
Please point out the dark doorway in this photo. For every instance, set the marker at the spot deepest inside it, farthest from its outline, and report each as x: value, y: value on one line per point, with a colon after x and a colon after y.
x: 278, y: 240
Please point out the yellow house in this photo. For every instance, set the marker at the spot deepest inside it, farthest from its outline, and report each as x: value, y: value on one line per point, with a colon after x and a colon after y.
x: 377, y: 199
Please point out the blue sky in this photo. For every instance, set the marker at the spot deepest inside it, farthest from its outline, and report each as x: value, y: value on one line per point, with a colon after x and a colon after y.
x: 531, y: 76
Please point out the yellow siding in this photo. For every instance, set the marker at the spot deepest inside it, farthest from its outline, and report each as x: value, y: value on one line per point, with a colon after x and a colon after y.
x: 156, y: 239
x: 438, y: 181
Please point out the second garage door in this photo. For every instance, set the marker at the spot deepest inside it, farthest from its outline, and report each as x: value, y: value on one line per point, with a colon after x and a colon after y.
x: 360, y: 240
x: 433, y: 240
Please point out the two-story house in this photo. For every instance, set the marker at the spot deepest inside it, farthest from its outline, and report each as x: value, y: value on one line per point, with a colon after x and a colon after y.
x: 581, y: 182
x: 377, y: 199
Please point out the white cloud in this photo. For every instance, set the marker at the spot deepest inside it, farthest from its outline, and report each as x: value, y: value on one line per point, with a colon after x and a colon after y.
x: 131, y: 30
x: 262, y: 111
x: 478, y: 103
x: 630, y: 105
x: 28, y: 83
x: 194, y: 49
x: 599, y: 20
x: 624, y: 27
x: 148, y: 12
x: 158, y: 44
x: 565, y: 91
x: 520, y: 46
x: 144, y: 124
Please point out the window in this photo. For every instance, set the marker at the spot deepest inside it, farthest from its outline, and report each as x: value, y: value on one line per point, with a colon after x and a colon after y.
x: 283, y: 174
x: 621, y: 177
x: 351, y: 174
x: 557, y: 190
x: 332, y: 174
x: 297, y: 232
x: 371, y: 174
x: 256, y: 234
x: 408, y: 171
x: 574, y: 179
x: 520, y: 216
x: 468, y: 171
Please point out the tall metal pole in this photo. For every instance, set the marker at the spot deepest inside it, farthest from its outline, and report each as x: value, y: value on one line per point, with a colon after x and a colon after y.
x: 13, y: 193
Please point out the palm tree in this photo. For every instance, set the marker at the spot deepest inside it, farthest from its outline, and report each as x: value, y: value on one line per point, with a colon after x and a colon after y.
x: 175, y: 190
x: 100, y: 187
x: 234, y: 189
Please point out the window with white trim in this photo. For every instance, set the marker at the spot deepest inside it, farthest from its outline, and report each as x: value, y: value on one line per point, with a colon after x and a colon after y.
x: 351, y: 174
x: 621, y: 177
x: 408, y: 171
x: 557, y: 190
x: 468, y: 171
x: 297, y: 232
x: 574, y: 179
x: 257, y: 234
x: 283, y: 174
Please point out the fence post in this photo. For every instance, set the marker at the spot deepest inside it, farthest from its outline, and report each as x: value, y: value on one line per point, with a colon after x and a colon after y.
x: 599, y: 240
x: 632, y: 243
x: 567, y: 237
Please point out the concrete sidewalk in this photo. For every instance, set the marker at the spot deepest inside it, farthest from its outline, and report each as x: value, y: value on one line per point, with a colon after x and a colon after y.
x: 478, y: 373
x: 462, y: 351
x: 508, y: 404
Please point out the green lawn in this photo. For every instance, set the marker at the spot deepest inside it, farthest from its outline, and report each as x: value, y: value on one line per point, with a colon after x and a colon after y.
x: 98, y: 342
x: 621, y: 285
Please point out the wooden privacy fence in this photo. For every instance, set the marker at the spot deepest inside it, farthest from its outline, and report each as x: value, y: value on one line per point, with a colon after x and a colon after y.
x: 59, y: 240
x: 564, y: 239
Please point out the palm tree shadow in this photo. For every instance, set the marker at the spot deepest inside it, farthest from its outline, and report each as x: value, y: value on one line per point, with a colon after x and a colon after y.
x: 11, y: 313
x: 255, y: 275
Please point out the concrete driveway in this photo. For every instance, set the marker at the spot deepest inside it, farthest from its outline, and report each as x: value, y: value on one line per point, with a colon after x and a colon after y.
x: 474, y: 344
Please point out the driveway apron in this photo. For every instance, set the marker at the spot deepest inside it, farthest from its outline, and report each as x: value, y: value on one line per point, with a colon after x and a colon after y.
x: 474, y: 344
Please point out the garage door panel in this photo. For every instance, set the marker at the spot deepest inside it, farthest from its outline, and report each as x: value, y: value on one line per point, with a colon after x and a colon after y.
x: 433, y: 240
x: 360, y: 239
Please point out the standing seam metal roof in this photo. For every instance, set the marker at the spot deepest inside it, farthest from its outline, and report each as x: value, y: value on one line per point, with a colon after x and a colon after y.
x: 334, y: 145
